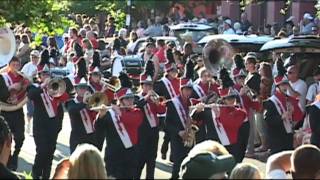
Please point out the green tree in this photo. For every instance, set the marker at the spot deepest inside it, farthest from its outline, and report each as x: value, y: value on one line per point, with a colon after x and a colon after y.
x: 43, y: 16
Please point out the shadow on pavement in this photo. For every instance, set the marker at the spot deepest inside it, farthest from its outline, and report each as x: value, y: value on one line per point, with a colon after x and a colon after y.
x: 24, y: 166
x: 163, y: 167
x: 61, y: 152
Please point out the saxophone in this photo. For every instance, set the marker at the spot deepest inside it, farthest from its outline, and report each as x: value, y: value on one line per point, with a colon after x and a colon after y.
x: 189, y: 138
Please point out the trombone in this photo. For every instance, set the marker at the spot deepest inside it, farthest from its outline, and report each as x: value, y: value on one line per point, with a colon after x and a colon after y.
x: 97, y: 102
x: 106, y: 83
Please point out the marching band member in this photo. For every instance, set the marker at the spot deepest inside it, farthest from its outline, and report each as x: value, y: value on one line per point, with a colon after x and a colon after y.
x: 205, y: 85
x: 13, y: 91
x: 248, y: 104
x: 168, y: 87
x: 95, y: 81
x: 119, y: 126
x: 80, y: 64
x: 226, y: 124
x: 47, y: 122
x: 280, y: 113
x: 177, y: 120
x: 81, y: 117
x: 149, y: 130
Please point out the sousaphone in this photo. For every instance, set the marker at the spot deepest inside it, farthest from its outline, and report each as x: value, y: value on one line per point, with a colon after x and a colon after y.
x: 214, y: 51
x: 7, y: 45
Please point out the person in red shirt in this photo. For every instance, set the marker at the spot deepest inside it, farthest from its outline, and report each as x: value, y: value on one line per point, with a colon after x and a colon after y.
x: 205, y: 85
x: 13, y: 91
x: 95, y: 81
x: 149, y: 130
x: 119, y: 127
x: 73, y: 37
x: 224, y: 123
x: 281, y: 113
x: 91, y: 36
x: 47, y: 122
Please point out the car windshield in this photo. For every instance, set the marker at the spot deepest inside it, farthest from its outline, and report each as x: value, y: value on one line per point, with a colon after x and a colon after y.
x: 196, y: 34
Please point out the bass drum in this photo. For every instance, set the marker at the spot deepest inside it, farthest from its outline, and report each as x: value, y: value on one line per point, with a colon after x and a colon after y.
x: 132, y: 65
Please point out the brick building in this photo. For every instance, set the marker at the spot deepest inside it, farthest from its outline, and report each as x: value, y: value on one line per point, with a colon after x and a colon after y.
x: 259, y: 13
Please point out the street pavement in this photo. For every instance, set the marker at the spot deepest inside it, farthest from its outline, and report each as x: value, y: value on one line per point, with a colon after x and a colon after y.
x: 27, y: 154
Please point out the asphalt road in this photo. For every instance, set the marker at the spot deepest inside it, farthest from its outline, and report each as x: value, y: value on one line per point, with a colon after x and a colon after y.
x: 27, y: 155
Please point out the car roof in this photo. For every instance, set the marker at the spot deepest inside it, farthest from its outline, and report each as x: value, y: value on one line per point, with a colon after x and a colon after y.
x: 191, y: 26
x: 308, y: 44
x: 237, y: 39
x: 166, y: 38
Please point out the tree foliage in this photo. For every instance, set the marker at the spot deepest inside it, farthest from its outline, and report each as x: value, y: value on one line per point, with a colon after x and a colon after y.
x: 43, y: 16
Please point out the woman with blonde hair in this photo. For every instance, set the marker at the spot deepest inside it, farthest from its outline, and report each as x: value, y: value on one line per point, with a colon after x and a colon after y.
x: 84, y: 163
x: 88, y: 50
x: 245, y: 171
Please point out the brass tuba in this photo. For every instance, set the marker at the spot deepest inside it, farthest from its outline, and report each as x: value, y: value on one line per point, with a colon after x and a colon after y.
x: 7, y: 46
x: 96, y: 101
x: 56, y: 87
x: 214, y: 51
x: 7, y: 50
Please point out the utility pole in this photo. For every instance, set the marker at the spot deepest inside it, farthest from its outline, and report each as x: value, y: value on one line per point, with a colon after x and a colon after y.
x: 128, y: 15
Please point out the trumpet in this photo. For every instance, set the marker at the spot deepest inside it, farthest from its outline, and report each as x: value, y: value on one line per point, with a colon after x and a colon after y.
x: 106, y: 83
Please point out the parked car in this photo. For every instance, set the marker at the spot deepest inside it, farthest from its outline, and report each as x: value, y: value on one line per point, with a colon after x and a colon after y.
x: 240, y: 43
x: 197, y: 31
x: 302, y: 50
x: 140, y: 43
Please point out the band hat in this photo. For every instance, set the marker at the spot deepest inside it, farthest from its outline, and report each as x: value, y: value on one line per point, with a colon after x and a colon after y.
x: 238, y: 72
x: 95, y: 70
x: 227, y: 92
x: 124, y: 93
x: 185, y: 82
x: 170, y: 66
x: 194, y: 101
x: 51, y: 61
x: 145, y: 79
x: 280, y: 80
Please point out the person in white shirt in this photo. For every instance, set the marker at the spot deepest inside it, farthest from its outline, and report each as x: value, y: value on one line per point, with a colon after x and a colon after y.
x: 303, y: 163
x: 314, y: 88
x: 30, y: 70
x: 227, y: 26
x: 298, y: 86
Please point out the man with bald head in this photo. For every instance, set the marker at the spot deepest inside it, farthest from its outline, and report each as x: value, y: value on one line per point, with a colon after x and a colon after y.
x: 298, y: 86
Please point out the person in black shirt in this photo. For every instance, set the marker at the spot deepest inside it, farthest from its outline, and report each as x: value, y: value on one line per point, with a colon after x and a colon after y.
x: 5, y: 150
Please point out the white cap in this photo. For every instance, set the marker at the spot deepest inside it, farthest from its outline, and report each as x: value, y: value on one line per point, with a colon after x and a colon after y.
x: 35, y: 53
x: 228, y: 21
x: 307, y: 16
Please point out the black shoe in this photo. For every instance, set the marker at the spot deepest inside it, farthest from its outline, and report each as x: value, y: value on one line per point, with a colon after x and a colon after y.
x: 164, y: 156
